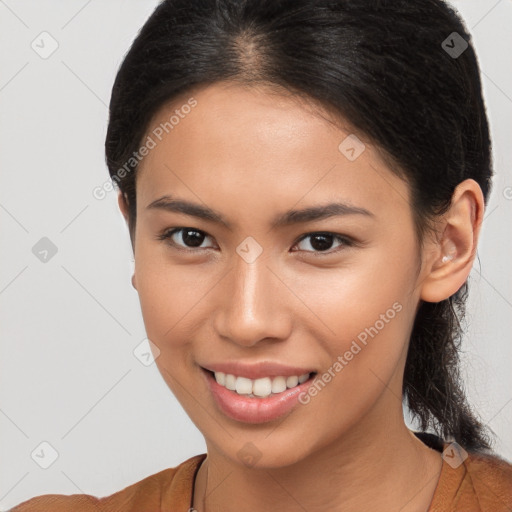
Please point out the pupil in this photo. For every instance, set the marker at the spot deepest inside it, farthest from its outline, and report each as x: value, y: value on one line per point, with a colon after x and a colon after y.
x: 195, y: 240
x: 323, y: 245
x: 319, y: 242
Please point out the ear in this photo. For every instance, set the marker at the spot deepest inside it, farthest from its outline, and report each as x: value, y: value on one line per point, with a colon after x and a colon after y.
x: 453, y: 253
x: 122, y: 201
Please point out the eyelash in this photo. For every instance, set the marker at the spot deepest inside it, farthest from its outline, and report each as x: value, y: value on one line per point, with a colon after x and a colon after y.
x: 346, y: 241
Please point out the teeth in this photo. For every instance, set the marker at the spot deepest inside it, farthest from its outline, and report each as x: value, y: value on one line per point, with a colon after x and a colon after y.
x: 243, y: 386
x: 303, y: 378
x: 291, y: 382
x: 230, y: 382
x: 278, y: 384
x: 263, y: 387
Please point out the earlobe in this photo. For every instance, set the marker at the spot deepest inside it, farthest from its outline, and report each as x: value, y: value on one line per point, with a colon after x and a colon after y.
x: 455, y: 250
x: 134, y: 284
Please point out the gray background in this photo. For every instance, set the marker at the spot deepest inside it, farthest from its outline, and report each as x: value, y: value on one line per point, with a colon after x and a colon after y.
x: 69, y: 325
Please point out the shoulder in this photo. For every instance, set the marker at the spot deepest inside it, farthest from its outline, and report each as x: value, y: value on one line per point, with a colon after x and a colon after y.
x: 477, y: 482
x: 170, y: 487
x: 489, y: 478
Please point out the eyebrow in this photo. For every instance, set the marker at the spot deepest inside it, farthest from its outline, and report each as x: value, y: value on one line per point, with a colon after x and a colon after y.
x: 290, y: 217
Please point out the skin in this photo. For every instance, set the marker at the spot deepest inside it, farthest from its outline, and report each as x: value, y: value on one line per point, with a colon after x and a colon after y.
x: 251, y: 154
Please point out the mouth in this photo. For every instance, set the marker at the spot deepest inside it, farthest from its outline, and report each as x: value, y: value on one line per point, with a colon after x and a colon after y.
x: 256, y: 400
x: 263, y: 387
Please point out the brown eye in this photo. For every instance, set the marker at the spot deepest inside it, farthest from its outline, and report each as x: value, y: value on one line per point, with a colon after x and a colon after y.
x: 189, y: 237
x: 322, y: 242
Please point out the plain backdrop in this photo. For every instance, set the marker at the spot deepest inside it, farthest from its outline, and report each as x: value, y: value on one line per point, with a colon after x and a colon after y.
x: 69, y: 317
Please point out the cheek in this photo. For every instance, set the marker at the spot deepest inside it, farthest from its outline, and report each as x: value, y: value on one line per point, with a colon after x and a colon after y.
x: 169, y: 293
x: 372, y: 350
x: 364, y: 349
x: 368, y: 329
x: 170, y: 300
x: 166, y: 300
x: 354, y: 297
x: 364, y: 314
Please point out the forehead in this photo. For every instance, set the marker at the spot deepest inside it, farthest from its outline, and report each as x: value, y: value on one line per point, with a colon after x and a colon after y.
x: 259, y: 147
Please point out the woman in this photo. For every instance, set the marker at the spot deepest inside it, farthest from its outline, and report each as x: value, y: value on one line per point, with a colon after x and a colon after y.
x: 304, y: 183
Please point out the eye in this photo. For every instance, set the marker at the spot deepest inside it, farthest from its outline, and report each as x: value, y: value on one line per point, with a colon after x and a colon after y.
x: 190, y: 237
x: 321, y: 242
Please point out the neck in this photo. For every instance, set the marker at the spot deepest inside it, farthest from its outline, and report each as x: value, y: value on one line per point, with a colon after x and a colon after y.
x: 385, y: 468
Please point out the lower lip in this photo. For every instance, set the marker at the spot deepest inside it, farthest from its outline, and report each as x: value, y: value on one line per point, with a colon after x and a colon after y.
x: 254, y: 410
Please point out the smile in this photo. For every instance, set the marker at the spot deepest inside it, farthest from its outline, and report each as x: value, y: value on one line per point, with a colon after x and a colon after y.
x: 259, y: 388
x: 259, y: 399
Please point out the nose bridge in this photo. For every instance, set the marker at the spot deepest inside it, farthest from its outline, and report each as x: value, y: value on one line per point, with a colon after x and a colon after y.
x: 251, y: 309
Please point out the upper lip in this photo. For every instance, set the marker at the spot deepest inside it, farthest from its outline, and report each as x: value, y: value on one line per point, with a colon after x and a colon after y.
x: 257, y: 370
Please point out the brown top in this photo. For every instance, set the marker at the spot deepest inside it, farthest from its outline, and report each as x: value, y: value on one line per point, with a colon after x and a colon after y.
x: 479, y: 483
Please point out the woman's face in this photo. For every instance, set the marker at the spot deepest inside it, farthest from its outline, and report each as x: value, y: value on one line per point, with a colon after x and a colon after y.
x: 258, y: 295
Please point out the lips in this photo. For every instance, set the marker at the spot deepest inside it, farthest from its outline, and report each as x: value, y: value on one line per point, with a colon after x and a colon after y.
x: 257, y: 370
x: 248, y: 408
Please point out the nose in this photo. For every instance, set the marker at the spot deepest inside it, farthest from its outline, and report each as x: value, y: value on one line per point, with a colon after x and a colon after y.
x: 253, y: 304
